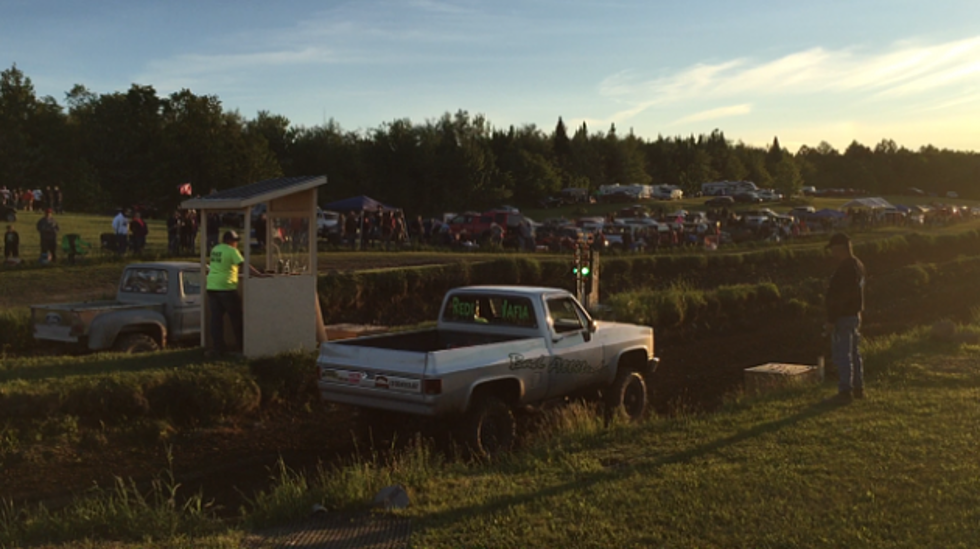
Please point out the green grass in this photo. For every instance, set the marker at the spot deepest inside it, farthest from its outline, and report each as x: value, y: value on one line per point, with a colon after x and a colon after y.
x: 89, y: 226
x: 789, y: 469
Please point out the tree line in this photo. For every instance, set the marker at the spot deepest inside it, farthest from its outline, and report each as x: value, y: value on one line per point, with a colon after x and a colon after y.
x: 136, y: 147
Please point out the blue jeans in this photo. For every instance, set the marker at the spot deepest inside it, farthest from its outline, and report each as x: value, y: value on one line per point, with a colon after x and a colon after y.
x: 847, y: 358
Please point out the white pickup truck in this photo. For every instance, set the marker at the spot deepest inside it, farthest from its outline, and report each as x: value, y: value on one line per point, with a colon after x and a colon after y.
x: 495, y: 349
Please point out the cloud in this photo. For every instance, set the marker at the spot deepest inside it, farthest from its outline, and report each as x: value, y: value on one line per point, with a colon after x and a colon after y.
x: 714, y: 114
x: 905, y: 70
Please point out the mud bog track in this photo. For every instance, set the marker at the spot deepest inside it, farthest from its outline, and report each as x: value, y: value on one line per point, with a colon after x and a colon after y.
x: 230, y: 463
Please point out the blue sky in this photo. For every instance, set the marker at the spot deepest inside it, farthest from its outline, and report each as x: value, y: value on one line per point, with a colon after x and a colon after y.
x: 803, y: 71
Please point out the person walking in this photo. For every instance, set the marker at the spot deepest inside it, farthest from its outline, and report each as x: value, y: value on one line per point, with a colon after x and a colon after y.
x: 48, y: 229
x: 120, y: 226
x: 845, y: 303
x: 222, y: 285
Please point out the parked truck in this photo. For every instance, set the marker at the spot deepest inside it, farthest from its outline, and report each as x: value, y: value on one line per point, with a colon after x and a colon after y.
x: 156, y: 304
x: 495, y: 349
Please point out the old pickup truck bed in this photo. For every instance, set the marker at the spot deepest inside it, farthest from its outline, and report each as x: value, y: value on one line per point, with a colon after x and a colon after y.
x: 67, y: 322
x: 427, y: 341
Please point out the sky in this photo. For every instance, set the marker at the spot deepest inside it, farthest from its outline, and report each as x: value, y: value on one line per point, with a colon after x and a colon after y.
x: 805, y: 72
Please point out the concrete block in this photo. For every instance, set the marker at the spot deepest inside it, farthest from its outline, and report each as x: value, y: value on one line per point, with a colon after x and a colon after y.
x: 392, y: 497
x: 774, y: 376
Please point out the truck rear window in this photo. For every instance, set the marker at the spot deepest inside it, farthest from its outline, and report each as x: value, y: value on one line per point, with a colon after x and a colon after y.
x: 145, y: 281
x: 490, y: 309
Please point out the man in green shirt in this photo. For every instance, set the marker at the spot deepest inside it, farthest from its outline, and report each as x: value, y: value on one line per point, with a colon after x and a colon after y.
x: 222, y: 287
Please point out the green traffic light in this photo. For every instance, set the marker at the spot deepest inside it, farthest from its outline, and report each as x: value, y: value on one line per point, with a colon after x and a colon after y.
x: 575, y: 270
x: 585, y: 271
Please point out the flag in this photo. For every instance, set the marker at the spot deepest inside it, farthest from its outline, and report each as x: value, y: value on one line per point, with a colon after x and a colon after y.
x: 185, y: 189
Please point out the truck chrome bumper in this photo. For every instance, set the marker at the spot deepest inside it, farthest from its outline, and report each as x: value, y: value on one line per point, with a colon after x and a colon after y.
x: 380, y: 402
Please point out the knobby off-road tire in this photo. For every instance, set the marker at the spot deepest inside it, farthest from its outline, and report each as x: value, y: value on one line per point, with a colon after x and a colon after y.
x: 627, y: 395
x: 135, y: 343
x: 488, y: 429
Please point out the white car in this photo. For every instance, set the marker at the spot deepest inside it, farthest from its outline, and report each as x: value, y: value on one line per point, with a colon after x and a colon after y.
x: 327, y: 223
x: 769, y: 195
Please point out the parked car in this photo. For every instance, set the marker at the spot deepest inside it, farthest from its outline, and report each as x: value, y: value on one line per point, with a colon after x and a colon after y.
x: 479, y: 225
x: 327, y: 224
x: 720, y: 202
x: 549, y: 202
x: 748, y: 198
x: 156, y: 304
x: 802, y: 211
x: 769, y: 195
x: 494, y: 350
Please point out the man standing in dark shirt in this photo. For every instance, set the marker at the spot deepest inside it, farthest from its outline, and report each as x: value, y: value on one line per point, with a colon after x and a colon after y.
x: 845, y: 302
x: 48, y: 229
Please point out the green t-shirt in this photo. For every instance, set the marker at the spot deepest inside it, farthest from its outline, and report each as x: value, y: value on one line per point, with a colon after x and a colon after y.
x: 225, y: 260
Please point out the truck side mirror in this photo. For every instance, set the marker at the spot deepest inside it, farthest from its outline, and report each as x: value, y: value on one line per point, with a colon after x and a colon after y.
x: 592, y: 326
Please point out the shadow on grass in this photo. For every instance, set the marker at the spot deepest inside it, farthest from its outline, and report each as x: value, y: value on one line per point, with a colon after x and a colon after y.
x: 66, y: 367
x: 615, y: 472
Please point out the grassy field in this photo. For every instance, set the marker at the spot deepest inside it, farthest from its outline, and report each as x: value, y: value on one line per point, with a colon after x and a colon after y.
x: 791, y: 469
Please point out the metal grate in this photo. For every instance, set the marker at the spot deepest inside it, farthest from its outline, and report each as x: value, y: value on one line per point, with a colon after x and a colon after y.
x: 336, y: 532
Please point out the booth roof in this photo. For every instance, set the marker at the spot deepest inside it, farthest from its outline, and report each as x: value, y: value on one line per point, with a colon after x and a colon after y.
x: 248, y: 195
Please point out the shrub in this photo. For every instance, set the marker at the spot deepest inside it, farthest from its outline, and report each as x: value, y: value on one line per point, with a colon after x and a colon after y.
x: 288, y: 377
x: 16, y: 332
x: 202, y: 394
x: 109, y: 399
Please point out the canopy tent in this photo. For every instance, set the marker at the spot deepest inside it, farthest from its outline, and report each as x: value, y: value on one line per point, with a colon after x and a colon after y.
x: 873, y: 203
x: 827, y: 213
x: 356, y: 203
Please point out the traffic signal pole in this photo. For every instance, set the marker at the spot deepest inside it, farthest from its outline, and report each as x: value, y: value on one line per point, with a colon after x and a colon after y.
x: 585, y: 269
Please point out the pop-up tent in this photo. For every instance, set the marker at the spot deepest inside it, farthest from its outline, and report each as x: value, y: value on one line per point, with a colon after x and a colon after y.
x: 874, y: 203
x: 828, y: 213
x: 357, y: 203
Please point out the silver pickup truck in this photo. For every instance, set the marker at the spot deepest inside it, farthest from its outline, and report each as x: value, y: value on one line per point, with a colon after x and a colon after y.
x: 155, y: 303
x: 494, y: 349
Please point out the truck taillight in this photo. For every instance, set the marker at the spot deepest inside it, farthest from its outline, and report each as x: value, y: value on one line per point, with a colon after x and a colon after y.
x: 432, y: 386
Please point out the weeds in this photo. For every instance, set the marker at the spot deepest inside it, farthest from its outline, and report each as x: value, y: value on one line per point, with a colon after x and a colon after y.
x: 124, y: 512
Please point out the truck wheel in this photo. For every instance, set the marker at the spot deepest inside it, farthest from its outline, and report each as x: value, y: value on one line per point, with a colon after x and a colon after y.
x: 488, y: 429
x: 628, y: 395
x: 135, y: 343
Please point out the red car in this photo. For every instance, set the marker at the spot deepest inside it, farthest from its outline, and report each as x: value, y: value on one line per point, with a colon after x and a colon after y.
x: 479, y: 225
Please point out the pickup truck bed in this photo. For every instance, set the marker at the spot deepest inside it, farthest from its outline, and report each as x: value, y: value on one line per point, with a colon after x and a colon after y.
x: 66, y: 322
x: 427, y: 341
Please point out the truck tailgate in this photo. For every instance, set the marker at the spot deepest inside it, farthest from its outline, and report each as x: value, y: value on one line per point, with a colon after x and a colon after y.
x: 396, y: 379
x: 372, y: 367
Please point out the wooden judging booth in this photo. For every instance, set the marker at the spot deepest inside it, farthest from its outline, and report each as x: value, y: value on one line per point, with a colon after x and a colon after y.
x: 281, y: 310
